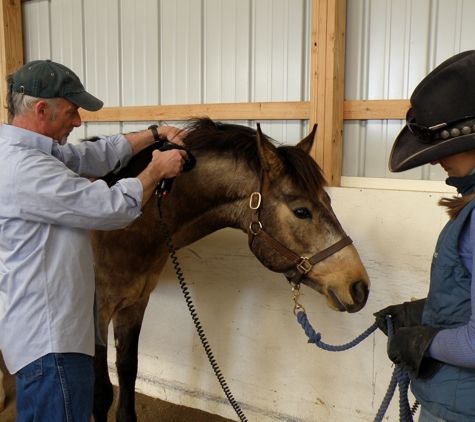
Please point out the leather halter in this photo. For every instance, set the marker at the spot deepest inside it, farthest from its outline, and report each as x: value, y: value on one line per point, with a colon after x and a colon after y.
x: 303, y: 264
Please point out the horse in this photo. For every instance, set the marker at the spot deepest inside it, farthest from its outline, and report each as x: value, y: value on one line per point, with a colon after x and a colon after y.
x: 2, y: 393
x: 241, y: 180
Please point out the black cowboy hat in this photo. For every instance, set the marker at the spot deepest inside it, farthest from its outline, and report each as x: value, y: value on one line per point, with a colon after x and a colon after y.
x: 441, y: 120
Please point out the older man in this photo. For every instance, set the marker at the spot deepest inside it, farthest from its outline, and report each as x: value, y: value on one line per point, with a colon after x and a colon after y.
x: 47, y: 206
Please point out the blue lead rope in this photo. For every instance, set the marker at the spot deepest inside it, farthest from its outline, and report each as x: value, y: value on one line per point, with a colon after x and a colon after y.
x: 315, y: 337
x: 399, y: 376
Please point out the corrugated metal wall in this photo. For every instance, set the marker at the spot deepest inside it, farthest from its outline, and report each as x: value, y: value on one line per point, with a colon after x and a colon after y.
x: 391, y: 46
x: 146, y: 52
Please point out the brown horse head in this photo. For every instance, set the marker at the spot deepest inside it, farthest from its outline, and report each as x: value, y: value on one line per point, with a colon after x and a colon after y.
x: 296, y: 212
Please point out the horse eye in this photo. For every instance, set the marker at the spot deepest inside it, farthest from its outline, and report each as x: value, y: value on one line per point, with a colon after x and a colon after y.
x: 302, y: 213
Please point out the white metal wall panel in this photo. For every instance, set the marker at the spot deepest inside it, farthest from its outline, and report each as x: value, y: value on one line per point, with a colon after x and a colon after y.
x: 181, y: 58
x: 227, y: 61
x: 102, y: 56
x: 278, y: 50
x: 36, y: 25
x: 147, y: 52
x: 391, y: 46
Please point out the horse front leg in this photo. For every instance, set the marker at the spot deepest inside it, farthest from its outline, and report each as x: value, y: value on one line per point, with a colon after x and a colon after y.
x: 2, y: 393
x: 103, y: 390
x: 127, y: 325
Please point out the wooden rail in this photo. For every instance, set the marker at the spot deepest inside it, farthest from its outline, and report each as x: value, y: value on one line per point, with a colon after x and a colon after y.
x: 297, y: 110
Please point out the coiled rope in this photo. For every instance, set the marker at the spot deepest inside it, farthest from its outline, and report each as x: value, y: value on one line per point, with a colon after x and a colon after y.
x: 196, y: 321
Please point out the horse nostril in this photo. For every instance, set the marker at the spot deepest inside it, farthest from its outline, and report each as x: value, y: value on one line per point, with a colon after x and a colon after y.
x: 359, y: 292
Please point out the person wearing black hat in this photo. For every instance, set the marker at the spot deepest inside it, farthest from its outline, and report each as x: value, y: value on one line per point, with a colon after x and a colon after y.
x: 434, y: 337
x: 47, y: 206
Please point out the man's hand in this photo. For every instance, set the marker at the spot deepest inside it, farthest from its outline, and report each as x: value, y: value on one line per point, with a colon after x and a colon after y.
x: 168, y: 164
x: 173, y: 134
x: 164, y: 165
x: 141, y: 140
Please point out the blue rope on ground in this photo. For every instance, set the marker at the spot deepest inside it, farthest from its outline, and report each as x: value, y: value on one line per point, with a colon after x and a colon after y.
x: 399, y: 376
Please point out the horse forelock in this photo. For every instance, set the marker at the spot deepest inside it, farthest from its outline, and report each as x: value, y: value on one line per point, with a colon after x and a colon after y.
x: 303, y: 170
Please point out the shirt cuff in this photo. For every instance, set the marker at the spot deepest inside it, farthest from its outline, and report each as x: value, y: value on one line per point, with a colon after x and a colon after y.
x: 132, y: 190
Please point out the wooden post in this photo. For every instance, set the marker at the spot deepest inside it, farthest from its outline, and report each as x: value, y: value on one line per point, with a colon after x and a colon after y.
x: 327, y: 84
x: 11, y: 47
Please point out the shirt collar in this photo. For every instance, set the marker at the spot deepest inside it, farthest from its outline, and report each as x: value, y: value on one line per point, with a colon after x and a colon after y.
x: 18, y: 136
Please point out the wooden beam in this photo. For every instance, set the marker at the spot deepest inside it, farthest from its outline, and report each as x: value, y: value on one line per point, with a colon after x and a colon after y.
x: 298, y: 110
x: 11, y: 46
x: 375, y: 109
x: 327, y: 84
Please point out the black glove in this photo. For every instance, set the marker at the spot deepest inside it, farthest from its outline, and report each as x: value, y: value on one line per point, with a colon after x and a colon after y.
x: 407, y: 349
x: 407, y: 314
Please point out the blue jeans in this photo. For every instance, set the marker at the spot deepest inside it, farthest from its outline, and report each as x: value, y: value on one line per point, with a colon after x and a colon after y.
x: 425, y: 416
x: 57, y: 387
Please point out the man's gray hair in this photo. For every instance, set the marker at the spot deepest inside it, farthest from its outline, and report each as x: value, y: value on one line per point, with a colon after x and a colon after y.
x: 19, y: 104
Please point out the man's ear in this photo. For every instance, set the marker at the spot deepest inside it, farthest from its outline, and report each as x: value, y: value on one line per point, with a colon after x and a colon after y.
x: 41, y: 110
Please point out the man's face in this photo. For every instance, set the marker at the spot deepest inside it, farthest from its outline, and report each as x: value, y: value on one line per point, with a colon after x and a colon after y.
x: 59, y: 125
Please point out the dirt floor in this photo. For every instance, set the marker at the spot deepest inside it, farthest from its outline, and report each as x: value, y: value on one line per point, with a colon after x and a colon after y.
x: 148, y: 409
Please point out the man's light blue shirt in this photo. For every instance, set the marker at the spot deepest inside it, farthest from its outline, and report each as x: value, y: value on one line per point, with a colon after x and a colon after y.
x: 47, y: 207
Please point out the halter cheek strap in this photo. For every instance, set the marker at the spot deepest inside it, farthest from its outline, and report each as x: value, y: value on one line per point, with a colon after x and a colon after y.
x: 303, y: 264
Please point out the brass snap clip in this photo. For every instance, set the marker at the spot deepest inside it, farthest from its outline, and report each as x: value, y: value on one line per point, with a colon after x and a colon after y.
x: 295, y: 298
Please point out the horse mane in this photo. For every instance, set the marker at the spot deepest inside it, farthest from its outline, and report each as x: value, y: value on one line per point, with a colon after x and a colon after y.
x: 239, y: 142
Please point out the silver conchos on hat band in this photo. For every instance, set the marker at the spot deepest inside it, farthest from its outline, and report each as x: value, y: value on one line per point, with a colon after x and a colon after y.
x: 465, y: 129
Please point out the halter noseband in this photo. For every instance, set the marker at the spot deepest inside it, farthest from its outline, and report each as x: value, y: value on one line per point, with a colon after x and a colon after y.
x: 303, y: 264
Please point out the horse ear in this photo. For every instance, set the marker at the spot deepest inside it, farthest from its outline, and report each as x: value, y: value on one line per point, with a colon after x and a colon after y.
x: 307, y: 143
x: 269, y: 157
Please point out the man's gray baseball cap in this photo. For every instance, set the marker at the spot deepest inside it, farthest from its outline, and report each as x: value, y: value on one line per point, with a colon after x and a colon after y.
x: 47, y: 79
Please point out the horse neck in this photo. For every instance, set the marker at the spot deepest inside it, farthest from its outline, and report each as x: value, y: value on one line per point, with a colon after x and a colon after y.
x: 213, y: 196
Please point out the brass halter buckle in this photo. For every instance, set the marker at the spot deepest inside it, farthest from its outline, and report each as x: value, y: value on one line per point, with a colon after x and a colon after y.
x: 304, y: 265
x: 255, y: 201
